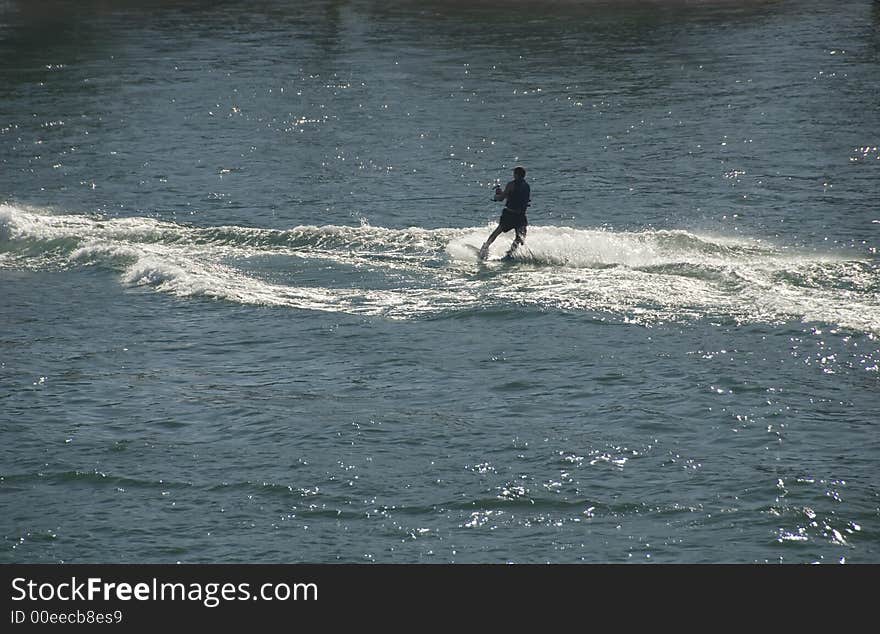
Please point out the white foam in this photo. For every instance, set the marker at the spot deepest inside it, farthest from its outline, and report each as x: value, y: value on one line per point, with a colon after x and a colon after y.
x: 592, y: 248
x: 647, y: 276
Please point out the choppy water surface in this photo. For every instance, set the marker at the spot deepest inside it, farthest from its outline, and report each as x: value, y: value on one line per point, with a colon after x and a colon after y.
x: 243, y: 319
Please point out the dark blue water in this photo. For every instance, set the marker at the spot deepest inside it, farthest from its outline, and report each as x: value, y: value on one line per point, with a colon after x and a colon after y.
x: 243, y: 318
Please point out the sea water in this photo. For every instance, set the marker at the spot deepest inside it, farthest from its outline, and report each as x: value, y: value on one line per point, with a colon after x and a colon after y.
x: 242, y: 317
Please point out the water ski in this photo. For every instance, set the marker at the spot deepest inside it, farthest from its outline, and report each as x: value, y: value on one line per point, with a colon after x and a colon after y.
x: 487, y: 258
x: 476, y: 251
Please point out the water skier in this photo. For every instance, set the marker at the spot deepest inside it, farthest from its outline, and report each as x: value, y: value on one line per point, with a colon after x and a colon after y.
x: 517, y: 193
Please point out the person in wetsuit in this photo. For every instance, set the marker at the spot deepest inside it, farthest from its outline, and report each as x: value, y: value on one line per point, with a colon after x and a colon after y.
x: 517, y: 193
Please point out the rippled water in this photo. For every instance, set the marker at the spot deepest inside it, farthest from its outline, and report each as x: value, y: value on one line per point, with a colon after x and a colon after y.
x: 243, y: 318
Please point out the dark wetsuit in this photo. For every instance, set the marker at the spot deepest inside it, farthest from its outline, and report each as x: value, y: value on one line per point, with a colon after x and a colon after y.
x: 514, y: 214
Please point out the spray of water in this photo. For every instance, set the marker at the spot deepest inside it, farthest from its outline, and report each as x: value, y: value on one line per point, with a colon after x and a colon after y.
x: 647, y: 276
